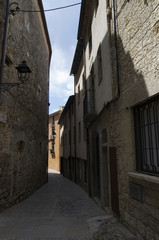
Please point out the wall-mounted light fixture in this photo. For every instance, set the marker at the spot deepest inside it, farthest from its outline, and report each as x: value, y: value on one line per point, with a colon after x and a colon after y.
x: 23, y: 69
x: 23, y: 75
x: 14, y: 8
x: 23, y: 72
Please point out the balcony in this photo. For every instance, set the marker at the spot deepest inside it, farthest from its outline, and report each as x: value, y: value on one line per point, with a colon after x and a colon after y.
x: 89, y: 113
x: 52, y: 137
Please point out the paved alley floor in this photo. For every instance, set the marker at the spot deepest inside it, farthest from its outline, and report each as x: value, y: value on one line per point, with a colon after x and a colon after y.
x: 59, y: 210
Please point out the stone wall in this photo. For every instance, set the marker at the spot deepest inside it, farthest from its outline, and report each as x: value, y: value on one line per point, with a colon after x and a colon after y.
x: 24, y: 109
x: 138, y: 49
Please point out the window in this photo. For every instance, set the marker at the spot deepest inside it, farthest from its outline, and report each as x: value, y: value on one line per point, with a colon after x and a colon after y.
x: 53, y: 132
x: 92, y: 91
x: 78, y: 94
x: 53, y: 121
x: 84, y: 83
x: 53, y: 148
x: 90, y: 43
x: 146, y: 118
x: 99, y: 60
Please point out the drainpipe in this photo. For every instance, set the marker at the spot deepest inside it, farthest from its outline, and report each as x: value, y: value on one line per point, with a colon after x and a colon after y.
x: 116, y: 55
x: 4, y: 43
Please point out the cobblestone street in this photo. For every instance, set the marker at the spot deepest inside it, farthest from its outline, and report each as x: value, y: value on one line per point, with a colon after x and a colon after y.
x: 60, y: 210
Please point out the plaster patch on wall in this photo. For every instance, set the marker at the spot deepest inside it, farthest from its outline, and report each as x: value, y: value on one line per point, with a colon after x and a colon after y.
x: 39, y: 92
x: 28, y: 26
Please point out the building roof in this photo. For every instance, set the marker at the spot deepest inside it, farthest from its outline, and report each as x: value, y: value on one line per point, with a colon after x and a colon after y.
x: 66, y: 108
x: 84, y: 16
x: 77, y: 57
x: 82, y: 27
x: 55, y: 113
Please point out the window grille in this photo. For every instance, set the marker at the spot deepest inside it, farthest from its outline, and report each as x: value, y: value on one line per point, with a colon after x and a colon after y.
x: 146, y: 118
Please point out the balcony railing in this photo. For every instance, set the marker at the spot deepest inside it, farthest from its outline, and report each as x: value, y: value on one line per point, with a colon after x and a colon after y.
x: 89, y: 112
x: 52, y: 137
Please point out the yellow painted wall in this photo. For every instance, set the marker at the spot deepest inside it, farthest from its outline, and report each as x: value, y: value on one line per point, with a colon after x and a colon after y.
x: 54, y: 158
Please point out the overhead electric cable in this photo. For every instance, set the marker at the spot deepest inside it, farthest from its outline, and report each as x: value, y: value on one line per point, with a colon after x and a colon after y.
x: 53, y: 9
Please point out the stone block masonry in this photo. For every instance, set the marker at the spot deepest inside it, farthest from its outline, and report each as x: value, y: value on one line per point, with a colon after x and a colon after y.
x: 24, y: 109
x: 138, y: 50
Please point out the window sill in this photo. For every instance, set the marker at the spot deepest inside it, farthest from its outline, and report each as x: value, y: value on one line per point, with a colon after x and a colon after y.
x: 144, y: 177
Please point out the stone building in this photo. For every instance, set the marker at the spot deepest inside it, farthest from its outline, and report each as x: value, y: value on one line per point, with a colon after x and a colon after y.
x: 116, y: 63
x: 135, y: 116
x: 81, y: 130
x: 93, y: 81
x: 24, y: 107
x: 54, y: 141
x: 67, y: 140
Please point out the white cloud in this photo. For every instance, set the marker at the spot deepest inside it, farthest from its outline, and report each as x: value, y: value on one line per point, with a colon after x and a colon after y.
x: 61, y: 83
x: 62, y: 26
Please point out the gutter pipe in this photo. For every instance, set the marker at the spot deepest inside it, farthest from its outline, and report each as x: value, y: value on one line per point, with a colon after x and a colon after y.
x: 116, y: 56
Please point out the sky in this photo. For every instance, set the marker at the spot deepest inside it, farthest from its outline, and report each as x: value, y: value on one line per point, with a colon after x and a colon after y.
x: 62, y: 26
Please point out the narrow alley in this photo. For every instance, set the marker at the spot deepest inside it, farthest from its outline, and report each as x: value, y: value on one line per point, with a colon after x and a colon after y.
x: 60, y: 210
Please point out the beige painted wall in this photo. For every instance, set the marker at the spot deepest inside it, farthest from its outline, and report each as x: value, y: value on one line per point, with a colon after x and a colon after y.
x: 54, y: 158
x: 99, y: 29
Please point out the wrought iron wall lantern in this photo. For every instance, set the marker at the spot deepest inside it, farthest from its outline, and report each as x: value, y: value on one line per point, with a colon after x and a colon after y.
x: 23, y: 72
x: 23, y: 75
x: 23, y: 69
x: 14, y: 8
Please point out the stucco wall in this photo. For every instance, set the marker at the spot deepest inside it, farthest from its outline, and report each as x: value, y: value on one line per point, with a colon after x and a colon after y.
x: 99, y: 30
x: 79, y: 96
x: 54, y: 158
